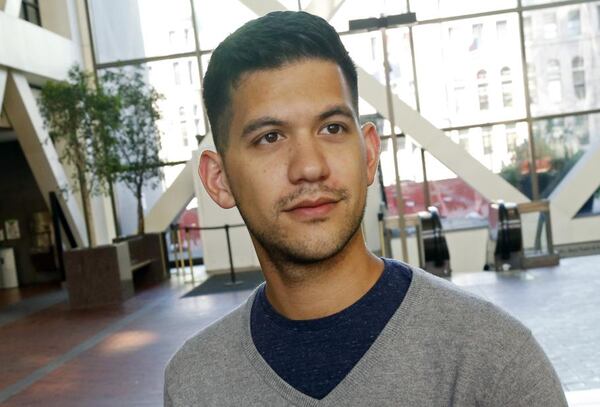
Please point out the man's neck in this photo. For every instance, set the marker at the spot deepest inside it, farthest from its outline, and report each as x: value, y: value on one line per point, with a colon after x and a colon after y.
x: 326, y: 287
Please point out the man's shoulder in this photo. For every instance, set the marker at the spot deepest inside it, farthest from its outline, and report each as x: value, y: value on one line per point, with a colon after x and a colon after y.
x: 456, y: 313
x: 203, y: 351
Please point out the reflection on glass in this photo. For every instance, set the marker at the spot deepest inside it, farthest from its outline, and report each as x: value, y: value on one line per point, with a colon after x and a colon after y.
x: 458, y: 203
x: 366, y: 50
x: 429, y: 9
x: 132, y: 29
x: 481, y: 79
x: 503, y: 149
x: 561, y: 44
x: 592, y: 205
x: 559, y: 144
x: 411, y: 175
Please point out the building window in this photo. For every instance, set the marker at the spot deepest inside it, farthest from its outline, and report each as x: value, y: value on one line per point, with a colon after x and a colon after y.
x: 190, y: 72
x: 176, y: 73
x: 527, y: 28
x: 550, y: 26
x: 582, y: 129
x: 511, y: 138
x: 30, y: 11
x: 532, y: 83
x: 501, y: 30
x: 477, y: 33
x: 373, y: 48
x: 507, y: 94
x: 482, y: 90
x: 459, y: 96
x: 463, y: 139
x: 574, y: 23
x: 181, y: 111
x: 184, y: 135
x: 197, y: 125
x: 171, y: 37
x: 186, y: 35
x: 578, y: 77
x: 486, y: 134
x: 554, y: 82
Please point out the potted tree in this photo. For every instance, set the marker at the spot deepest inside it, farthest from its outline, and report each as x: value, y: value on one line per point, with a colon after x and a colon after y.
x: 81, y: 121
x: 137, y: 139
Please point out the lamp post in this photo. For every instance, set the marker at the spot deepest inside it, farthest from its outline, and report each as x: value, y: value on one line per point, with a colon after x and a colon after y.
x: 381, y: 24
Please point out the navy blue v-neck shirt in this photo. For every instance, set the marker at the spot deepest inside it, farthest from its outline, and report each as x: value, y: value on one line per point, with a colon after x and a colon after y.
x: 313, y: 356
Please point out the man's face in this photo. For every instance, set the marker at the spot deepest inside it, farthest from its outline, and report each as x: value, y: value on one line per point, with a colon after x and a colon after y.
x: 297, y: 164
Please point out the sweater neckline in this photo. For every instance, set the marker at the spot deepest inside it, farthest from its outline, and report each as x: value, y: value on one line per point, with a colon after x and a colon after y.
x: 393, y: 332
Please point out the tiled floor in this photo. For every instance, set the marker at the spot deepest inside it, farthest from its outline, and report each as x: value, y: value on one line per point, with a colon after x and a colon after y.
x: 115, y: 356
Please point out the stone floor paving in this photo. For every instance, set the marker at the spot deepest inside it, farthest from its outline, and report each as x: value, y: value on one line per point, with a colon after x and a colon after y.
x: 561, y: 306
x: 116, y: 356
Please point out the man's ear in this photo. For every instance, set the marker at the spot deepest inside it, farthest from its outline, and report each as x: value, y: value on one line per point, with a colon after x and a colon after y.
x: 372, y: 145
x: 214, y: 179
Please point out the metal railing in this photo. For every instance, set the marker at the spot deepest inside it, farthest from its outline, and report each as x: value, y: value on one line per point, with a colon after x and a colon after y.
x: 177, y: 242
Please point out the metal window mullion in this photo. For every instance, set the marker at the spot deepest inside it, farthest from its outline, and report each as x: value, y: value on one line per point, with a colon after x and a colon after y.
x: 535, y: 189
x: 426, y: 193
x: 111, y: 191
x: 198, y: 54
x: 139, y: 61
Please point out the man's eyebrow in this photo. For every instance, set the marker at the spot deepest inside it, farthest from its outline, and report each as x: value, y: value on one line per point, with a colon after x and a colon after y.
x: 261, y: 122
x: 337, y: 110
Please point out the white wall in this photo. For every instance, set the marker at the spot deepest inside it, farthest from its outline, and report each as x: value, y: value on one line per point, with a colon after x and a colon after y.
x: 467, y: 249
x: 214, y: 242
x: 34, y: 50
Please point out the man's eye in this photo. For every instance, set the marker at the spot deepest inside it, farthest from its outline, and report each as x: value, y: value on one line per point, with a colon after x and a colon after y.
x: 334, y: 128
x: 269, y: 138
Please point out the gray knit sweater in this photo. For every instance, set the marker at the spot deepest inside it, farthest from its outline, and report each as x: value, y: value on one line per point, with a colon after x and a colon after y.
x: 443, y: 347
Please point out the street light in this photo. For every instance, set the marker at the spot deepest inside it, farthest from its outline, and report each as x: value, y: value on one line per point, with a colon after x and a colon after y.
x: 382, y: 23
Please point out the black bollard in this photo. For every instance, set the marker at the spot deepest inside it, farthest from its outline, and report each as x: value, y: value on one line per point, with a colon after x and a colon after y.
x: 231, y: 270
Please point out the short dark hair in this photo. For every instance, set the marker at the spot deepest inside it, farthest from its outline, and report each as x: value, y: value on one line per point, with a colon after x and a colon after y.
x: 269, y: 42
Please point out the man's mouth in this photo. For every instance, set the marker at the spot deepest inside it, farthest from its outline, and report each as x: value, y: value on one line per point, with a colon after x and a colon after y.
x: 312, y: 208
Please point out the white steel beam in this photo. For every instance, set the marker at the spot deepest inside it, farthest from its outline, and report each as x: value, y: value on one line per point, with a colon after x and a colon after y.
x: 324, y: 8
x: 3, y: 76
x: 23, y: 113
x: 172, y: 201
x: 11, y: 7
x: 578, y: 185
x: 262, y: 7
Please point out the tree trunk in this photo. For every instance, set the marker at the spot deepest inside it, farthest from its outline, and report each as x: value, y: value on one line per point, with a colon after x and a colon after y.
x: 140, y: 210
x: 87, y: 208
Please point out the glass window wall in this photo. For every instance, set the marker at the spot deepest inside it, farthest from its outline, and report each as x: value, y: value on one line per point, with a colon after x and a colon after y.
x: 469, y: 72
x: 430, y: 9
x: 136, y: 29
x: 560, y: 47
x: 559, y: 143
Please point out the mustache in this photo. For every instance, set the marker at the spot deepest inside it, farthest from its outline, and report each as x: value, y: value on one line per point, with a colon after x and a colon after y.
x: 311, y: 191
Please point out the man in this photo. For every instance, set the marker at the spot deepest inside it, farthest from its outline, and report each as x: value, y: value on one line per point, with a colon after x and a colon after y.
x: 334, y: 325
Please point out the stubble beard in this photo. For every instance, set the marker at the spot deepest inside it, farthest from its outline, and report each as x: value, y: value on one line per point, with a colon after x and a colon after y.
x: 292, y: 256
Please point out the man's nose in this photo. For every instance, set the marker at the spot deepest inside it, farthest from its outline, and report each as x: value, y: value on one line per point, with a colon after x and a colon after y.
x: 308, y: 162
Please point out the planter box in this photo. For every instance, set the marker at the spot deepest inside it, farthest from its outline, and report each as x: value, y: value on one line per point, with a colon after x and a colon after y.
x: 104, y: 275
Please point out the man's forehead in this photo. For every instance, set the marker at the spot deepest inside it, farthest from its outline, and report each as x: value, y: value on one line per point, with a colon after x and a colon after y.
x: 306, y: 86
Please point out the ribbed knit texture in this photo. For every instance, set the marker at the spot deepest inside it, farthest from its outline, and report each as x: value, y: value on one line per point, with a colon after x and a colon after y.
x: 442, y: 347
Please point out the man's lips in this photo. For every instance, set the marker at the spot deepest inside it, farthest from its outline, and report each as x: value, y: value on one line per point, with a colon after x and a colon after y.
x: 311, y: 203
x: 310, y: 208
